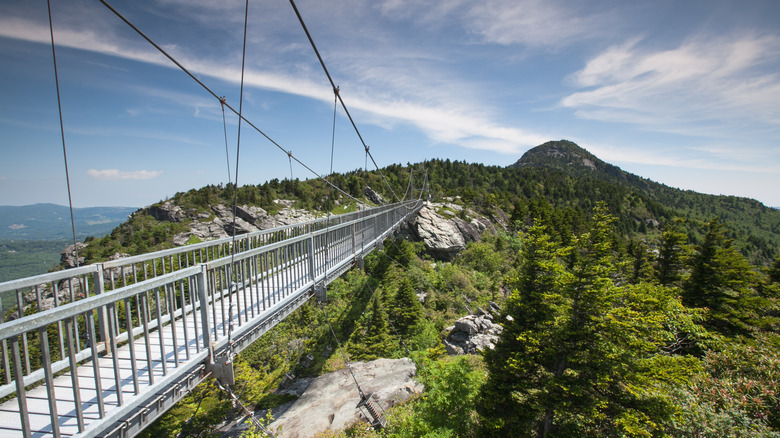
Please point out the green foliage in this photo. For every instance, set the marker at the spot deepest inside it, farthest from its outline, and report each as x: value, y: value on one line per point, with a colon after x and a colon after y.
x: 407, y: 310
x: 373, y: 341
x: 446, y: 408
x: 723, y: 281
x: 25, y: 258
x: 196, y: 415
x: 572, y: 360
x: 735, y: 394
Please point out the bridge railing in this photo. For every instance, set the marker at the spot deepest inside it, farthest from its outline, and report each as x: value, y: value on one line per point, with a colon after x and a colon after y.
x: 128, y: 270
x: 212, y: 303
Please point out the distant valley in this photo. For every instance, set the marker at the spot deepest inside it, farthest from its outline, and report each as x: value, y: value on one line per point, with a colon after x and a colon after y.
x: 32, y: 236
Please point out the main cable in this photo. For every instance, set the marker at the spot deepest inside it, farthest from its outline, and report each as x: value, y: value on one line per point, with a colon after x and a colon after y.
x: 62, y: 134
x: 205, y: 87
x: 335, y: 90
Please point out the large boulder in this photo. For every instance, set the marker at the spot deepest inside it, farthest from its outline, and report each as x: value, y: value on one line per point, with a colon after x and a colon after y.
x: 440, y: 235
x: 167, y: 212
x: 329, y: 402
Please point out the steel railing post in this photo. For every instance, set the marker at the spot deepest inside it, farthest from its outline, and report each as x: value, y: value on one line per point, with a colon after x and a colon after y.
x: 205, y: 327
x: 102, y: 314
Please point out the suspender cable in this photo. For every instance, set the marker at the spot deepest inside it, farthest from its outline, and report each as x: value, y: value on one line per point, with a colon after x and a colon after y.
x: 224, y: 127
x: 338, y: 96
x: 235, y: 186
x: 227, y: 105
x: 62, y: 133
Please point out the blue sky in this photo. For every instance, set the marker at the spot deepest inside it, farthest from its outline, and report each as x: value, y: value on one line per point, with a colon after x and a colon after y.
x: 686, y: 93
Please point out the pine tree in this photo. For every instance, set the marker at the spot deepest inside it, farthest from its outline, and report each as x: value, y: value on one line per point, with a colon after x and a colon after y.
x: 573, y: 359
x: 375, y: 341
x: 723, y: 281
x: 671, y: 255
x: 408, y: 310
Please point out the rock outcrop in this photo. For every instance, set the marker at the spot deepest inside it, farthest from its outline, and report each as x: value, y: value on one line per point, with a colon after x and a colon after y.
x: 473, y: 333
x: 329, y: 402
x: 248, y: 219
x: 441, y: 236
x: 71, y: 256
x: 373, y: 196
x: 445, y: 237
x: 167, y: 211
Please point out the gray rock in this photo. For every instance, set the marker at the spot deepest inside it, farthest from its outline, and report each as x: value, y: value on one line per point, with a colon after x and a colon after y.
x: 466, y: 326
x: 251, y: 214
x: 472, y: 334
x: 373, y: 196
x: 441, y: 236
x: 468, y: 230
x: 329, y: 401
x: 167, y: 212
x: 68, y: 257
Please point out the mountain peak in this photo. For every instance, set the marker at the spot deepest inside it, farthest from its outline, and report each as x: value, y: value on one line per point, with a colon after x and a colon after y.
x: 561, y: 154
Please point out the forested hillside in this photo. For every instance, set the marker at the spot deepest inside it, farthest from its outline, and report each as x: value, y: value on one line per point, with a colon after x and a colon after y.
x: 628, y: 308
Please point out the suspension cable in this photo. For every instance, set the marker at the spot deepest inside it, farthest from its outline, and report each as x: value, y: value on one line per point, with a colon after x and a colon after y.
x: 335, y: 90
x: 227, y: 105
x: 231, y: 266
x: 62, y: 134
x: 224, y: 128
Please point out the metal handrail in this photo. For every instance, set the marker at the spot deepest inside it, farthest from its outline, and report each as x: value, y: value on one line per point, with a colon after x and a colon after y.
x: 272, y: 279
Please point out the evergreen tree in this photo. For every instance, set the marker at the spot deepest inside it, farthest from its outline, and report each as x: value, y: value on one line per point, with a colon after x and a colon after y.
x: 375, y: 341
x: 671, y: 255
x: 579, y: 353
x: 723, y: 281
x: 408, y: 310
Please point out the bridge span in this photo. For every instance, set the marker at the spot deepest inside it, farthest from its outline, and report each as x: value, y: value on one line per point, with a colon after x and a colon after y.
x: 124, y: 340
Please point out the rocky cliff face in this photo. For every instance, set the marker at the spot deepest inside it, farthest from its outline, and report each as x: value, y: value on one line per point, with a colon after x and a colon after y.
x: 220, y: 223
x: 445, y: 237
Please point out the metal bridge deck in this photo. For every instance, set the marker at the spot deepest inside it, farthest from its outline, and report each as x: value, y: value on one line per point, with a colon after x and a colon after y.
x: 163, y: 322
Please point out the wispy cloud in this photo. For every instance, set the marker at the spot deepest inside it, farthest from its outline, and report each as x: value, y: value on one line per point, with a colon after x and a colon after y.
x: 538, y: 23
x: 444, y: 116
x: 704, y: 87
x: 117, y: 175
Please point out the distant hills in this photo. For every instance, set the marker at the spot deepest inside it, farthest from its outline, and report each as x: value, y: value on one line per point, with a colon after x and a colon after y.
x: 52, y: 222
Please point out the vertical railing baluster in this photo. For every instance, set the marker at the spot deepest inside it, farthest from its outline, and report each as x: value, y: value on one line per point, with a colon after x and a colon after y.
x: 102, y: 311
x: 49, y: 380
x: 4, y: 342
x: 205, y: 330
x: 56, y: 292
x: 158, y: 313
x: 143, y: 298
x: 213, y: 294
x: 169, y: 293
x: 21, y: 395
x: 74, y: 377
x: 263, y: 278
x: 90, y: 329
x: 183, y: 304
x: 195, y: 302
x: 131, y: 344
x: 20, y: 314
x: 112, y: 344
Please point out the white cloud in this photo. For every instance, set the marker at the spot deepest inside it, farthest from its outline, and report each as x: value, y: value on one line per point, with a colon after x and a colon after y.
x: 116, y: 175
x: 410, y: 96
x: 537, y: 23
x: 703, y: 87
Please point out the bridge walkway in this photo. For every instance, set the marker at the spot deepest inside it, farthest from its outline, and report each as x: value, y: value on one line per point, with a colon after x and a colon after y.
x: 183, y: 325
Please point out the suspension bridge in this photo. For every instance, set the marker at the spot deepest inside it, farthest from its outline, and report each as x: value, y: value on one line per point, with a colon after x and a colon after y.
x: 126, y: 339
x: 105, y: 349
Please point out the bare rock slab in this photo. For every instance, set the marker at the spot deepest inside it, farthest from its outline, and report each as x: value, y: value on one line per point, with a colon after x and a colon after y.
x: 329, y: 403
